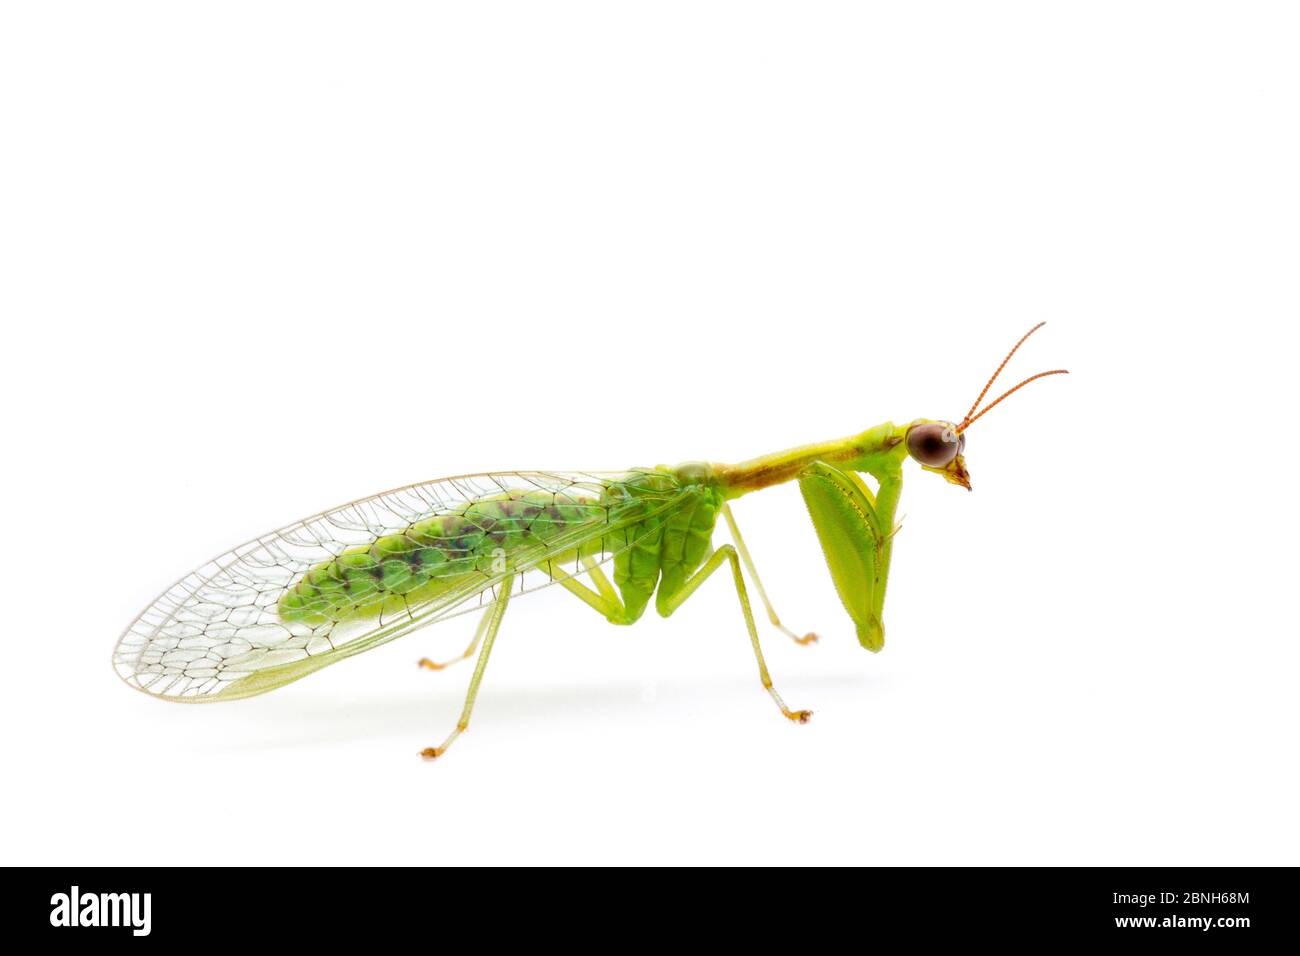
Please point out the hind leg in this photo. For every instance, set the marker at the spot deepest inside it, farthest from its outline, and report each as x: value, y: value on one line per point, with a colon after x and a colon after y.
x: 489, y: 638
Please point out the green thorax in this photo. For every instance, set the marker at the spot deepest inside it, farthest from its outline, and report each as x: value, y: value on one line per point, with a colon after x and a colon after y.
x: 878, y: 451
x: 669, y: 545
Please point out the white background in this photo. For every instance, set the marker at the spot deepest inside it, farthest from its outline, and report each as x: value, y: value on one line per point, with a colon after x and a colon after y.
x: 262, y: 258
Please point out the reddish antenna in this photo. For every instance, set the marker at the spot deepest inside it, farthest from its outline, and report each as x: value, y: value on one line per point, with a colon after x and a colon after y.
x: 971, y: 417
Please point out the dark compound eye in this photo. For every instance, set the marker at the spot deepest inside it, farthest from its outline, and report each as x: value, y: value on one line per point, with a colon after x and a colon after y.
x: 934, y: 445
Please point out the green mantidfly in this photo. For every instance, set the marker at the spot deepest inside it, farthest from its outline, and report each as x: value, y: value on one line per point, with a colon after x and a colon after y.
x: 355, y: 577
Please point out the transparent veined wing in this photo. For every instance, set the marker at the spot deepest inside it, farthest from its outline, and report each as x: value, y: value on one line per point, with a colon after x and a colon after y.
x: 297, y: 599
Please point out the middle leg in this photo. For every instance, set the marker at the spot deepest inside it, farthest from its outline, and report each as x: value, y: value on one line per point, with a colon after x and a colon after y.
x: 493, y: 617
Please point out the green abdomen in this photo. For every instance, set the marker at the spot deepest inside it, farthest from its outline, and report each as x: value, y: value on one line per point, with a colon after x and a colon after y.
x: 436, y: 553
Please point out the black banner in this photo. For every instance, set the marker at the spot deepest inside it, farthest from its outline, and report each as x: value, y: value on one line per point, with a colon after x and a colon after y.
x: 1224, y: 907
